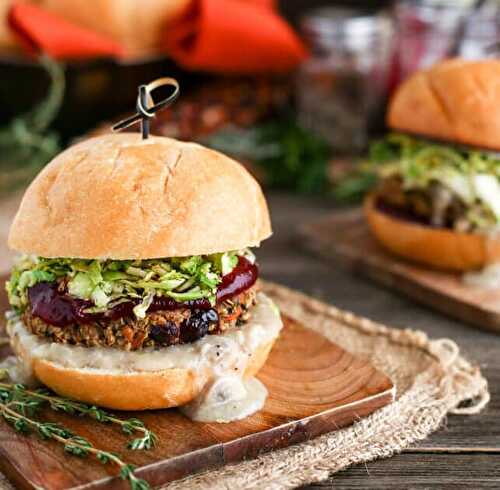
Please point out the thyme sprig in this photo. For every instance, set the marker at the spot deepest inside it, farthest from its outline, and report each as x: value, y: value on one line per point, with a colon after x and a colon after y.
x: 26, y: 142
x: 59, y: 404
x: 19, y: 405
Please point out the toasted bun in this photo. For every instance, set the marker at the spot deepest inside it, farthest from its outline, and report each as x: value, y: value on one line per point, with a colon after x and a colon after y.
x: 117, y: 196
x: 157, y: 389
x: 8, y: 43
x: 455, y: 100
x: 436, y: 247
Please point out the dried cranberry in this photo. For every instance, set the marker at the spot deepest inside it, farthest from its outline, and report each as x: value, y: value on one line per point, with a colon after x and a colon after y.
x: 210, y: 315
x: 198, y: 324
x: 167, y: 334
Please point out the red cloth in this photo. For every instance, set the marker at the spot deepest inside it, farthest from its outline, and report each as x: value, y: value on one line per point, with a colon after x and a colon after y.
x: 235, y: 36
x: 41, y: 31
x: 242, y: 36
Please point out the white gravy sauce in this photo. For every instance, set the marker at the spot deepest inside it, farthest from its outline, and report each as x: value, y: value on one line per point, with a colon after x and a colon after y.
x: 226, y: 397
x: 487, y: 278
x: 16, y: 371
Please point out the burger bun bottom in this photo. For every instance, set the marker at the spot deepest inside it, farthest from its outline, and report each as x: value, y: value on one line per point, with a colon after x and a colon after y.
x: 134, y: 391
x: 439, y: 248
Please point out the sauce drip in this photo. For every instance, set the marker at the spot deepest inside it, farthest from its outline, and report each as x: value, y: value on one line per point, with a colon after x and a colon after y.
x: 226, y: 399
x: 58, y: 308
x: 487, y: 278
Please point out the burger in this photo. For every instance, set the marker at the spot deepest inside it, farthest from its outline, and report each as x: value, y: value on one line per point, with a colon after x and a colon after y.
x: 137, y: 287
x: 437, y: 198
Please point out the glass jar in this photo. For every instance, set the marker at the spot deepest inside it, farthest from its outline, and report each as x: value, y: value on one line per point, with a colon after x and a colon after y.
x: 343, y: 83
x: 428, y: 31
x: 482, y: 33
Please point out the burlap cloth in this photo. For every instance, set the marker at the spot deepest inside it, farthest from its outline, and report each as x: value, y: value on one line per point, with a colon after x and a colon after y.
x: 431, y: 377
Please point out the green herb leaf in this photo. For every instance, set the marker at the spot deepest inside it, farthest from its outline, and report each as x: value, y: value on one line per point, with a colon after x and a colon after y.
x: 17, y: 402
x: 26, y: 145
x: 471, y: 175
x: 290, y: 156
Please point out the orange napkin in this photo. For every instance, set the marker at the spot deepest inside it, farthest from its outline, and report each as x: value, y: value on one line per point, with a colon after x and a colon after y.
x: 235, y: 36
x: 40, y: 31
x: 243, y: 36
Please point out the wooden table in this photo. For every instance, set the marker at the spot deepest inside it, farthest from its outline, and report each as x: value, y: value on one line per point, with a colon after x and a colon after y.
x: 463, y: 454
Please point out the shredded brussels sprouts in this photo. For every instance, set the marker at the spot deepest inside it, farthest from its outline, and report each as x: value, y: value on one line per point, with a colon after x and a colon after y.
x: 109, y: 282
x: 472, y: 176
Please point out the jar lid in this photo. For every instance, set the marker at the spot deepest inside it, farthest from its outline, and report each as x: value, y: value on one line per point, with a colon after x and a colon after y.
x: 334, y: 22
x: 436, y: 13
x: 440, y: 4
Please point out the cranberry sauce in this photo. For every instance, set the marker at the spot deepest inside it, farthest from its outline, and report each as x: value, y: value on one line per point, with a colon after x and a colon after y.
x: 241, y: 278
x: 58, y: 308
x: 52, y: 306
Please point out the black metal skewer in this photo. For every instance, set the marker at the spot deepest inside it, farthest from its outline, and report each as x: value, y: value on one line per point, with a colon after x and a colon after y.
x: 143, y: 99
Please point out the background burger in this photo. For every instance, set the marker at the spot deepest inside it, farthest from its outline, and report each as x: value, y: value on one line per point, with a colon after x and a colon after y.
x: 137, y: 289
x: 438, y: 195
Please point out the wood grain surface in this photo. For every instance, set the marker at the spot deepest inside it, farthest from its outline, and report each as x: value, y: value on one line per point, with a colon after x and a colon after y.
x: 465, y: 452
x: 346, y: 235
x: 314, y: 387
x: 416, y: 471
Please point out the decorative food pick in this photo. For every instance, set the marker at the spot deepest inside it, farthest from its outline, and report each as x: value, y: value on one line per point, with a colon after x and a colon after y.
x: 146, y: 108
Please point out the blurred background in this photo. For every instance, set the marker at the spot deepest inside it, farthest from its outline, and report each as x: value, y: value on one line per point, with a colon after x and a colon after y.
x: 295, y: 89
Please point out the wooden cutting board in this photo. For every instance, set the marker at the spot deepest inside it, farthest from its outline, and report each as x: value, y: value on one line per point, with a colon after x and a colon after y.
x: 314, y: 387
x: 345, y: 235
